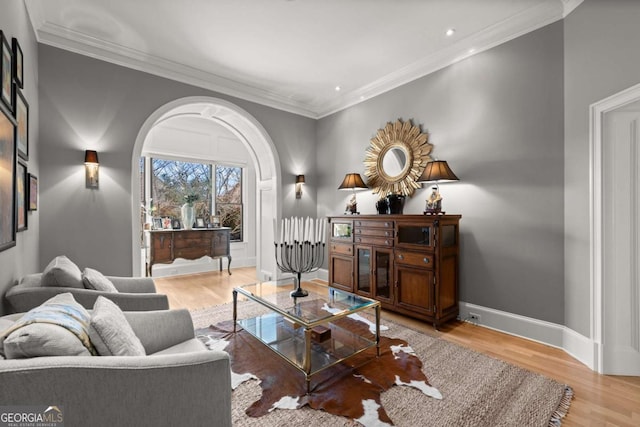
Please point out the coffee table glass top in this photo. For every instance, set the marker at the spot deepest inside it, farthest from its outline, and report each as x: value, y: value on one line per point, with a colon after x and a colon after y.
x: 321, y: 305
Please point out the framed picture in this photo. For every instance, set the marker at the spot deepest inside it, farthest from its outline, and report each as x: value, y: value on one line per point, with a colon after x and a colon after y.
x: 157, y: 223
x: 21, y: 197
x: 18, y: 67
x: 6, y: 72
x: 22, y: 122
x: 8, y: 185
x: 175, y: 224
x: 33, y: 192
x: 166, y: 223
x: 200, y: 223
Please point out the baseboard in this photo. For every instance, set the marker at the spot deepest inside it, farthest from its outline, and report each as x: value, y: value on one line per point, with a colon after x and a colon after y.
x: 552, y: 334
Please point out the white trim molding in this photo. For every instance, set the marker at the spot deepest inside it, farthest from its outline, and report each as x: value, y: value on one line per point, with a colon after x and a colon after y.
x: 559, y: 336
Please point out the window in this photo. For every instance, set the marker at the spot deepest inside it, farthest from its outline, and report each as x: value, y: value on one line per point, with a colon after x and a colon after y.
x: 228, y: 201
x: 172, y: 180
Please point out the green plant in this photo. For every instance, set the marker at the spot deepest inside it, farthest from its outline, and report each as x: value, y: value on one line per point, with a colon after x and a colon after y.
x: 190, y: 198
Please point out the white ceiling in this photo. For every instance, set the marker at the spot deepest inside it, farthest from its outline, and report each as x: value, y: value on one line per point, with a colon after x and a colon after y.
x: 289, y: 54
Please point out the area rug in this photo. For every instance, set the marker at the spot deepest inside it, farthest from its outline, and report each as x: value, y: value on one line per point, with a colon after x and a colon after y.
x: 476, y: 390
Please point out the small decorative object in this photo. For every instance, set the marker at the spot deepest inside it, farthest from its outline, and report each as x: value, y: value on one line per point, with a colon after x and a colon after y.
x: 175, y: 224
x: 22, y: 119
x: 199, y: 222
x: 33, y: 192
x: 352, y: 181
x: 396, y: 203
x: 382, y: 206
x: 18, y: 68
x: 395, y: 158
x: 300, y: 248
x: 6, y: 72
x: 7, y: 186
x: 320, y: 333
x: 188, y: 212
x: 21, y: 189
x: 215, y: 221
x: 157, y: 223
x: 436, y: 171
x: 166, y: 223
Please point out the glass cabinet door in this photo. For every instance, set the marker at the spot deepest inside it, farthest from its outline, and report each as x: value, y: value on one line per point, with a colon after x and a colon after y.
x: 363, y: 265
x: 383, y: 274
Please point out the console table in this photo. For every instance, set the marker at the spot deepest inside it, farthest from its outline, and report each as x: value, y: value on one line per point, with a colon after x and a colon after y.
x: 165, y: 246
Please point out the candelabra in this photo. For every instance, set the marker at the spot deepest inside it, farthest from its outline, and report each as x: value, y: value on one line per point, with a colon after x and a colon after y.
x: 300, y: 248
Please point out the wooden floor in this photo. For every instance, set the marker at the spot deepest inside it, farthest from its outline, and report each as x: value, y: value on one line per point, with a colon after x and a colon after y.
x: 600, y: 400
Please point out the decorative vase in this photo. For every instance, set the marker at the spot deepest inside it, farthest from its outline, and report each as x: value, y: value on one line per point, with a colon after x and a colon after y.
x: 396, y: 203
x: 382, y: 206
x: 188, y: 216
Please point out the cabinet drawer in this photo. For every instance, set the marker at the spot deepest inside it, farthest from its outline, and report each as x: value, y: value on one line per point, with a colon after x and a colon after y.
x: 416, y: 259
x: 375, y: 232
x: 376, y: 241
x: 341, y: 248
x: 373, y: 224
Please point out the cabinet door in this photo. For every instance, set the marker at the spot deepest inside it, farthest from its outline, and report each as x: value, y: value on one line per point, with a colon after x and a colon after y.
x: 363, y: 270
x: 220, y: 241
x: 341, y: 272
x: 415, y: 289
x: 383, y: 274
x: 161, y: 247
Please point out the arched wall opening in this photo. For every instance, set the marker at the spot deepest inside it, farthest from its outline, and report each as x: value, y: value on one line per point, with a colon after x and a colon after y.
x: 261, y: 150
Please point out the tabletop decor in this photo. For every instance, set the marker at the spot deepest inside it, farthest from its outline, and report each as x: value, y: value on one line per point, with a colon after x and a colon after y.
x: 300, y: 248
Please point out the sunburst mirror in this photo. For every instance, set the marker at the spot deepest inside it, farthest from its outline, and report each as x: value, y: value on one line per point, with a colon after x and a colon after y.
x: 396, y: 157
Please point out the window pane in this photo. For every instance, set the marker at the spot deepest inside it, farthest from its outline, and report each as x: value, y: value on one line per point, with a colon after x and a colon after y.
x: 173, y: 180
x: 229, y: 199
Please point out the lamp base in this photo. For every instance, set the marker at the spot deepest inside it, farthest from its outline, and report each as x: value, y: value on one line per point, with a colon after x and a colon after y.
x: 299, y: 293
x: 428, y: 212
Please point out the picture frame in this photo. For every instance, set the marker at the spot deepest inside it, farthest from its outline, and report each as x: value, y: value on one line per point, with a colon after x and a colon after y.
x: 33, y: 193
x: 6, y: 72
x: 157, y: 223
x: 7, y: 186
x: 21, y: 197
x: 175, y: 224
x: 200, y: 223
x: 18, y: 63
x: 166, y: 223
x: 22, y: 123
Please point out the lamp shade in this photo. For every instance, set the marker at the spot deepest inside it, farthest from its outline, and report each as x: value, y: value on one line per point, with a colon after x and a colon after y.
x: 91, y: 156
x: 299, y: 179
x: 352, y: 181
x: 437, y: 170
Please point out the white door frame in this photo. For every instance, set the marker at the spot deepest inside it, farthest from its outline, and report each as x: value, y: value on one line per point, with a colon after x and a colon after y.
x: 596, y: 218
x: 261, y: 150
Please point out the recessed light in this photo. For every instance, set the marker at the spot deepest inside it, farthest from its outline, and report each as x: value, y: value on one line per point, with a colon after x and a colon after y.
x: 338, y: 88
x: 450, y: 32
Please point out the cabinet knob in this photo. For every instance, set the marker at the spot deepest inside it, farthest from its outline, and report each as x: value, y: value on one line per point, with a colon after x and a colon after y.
x: 386, y: 233
x: 386, y: 242
x: 426, y: 260
x: 386, y: 224
x: 400, y: 256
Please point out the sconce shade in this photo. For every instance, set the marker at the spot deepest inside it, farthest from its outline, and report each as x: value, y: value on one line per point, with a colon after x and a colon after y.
x: 91, y: 156
x: 299, y: 179
x: 352, y: 181
x: 437, y: 170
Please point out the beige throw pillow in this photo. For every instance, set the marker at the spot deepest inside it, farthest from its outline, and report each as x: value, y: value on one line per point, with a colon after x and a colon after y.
x: 110, y: 331
x: 62, y: 272
x: 93, y: 279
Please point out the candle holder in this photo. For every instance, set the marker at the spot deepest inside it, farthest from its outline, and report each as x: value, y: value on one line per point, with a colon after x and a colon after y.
x: 300, y: 249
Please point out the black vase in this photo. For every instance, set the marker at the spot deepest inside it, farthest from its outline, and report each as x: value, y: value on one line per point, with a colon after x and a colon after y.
x: 382, y: 206
x: 396, y: 203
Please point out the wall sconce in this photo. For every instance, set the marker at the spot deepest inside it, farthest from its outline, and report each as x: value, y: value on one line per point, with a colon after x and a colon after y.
x: 91, y: 166
x: 352, y: 181
x: 299, y: 182
x: 436, y: 171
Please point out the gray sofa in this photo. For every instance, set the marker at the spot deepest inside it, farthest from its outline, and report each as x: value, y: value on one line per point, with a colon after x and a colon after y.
x: 179, y: 382
x: 134, y: 294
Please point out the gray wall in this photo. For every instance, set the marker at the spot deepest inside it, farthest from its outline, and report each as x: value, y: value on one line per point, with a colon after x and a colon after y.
x: 497, y: 118
x: 23, y: 258
x: 602, y: 57
x: 87, y: 103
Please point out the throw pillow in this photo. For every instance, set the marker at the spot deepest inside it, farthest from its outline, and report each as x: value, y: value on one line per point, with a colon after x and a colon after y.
x: 62, y: 272
x: 58, y: 327
x: 95, y: 280
x: 110, y: 331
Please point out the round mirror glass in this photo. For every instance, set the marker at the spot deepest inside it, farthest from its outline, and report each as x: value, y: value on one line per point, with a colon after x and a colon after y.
x: 394, y: 162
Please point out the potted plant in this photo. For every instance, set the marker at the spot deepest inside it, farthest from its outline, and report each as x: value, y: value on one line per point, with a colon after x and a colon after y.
x: 188, y: 211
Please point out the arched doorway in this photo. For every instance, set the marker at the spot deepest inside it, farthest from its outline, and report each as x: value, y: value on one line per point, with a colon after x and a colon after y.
x: 261, y: 150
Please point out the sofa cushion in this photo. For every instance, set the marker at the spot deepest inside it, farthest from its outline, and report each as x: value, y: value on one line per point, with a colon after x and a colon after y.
x: 62, y: 272
x: 58, y: 327
x: 189, y: 346
x: 93, y: 279
x: 110, y: 331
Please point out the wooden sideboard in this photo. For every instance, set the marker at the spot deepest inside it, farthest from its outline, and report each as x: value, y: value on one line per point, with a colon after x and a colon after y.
x: 407, y: 262
x: 165, y: 246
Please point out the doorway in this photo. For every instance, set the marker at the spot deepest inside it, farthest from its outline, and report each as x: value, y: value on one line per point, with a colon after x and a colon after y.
x: 615, y: 243
x: 262, y: 153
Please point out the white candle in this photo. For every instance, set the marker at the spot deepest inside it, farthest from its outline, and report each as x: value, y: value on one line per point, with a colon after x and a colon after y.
x: 324, y: 229
x: 295, y: 229
x: 282, y: 231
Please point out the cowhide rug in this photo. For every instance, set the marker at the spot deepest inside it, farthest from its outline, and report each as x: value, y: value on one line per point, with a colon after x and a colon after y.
x: 351, y: 389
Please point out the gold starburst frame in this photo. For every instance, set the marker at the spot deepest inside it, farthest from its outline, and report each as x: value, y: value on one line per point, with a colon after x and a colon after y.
x: 416, y: 148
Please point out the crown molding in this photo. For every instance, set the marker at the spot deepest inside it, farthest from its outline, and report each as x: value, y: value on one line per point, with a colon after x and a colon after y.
x: 529, y: 20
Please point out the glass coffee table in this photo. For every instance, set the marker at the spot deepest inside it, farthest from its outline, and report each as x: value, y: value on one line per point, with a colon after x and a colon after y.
x: 304, y: 331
